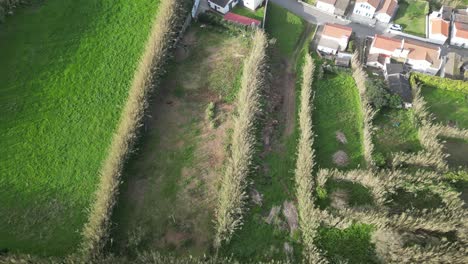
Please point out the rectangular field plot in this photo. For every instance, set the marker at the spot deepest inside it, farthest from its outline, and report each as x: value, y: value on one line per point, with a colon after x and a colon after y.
x: 448, y: 107
x: 395, y: 132
x: 337, y: 122
x: 168, y: 196
x: 65, y: 69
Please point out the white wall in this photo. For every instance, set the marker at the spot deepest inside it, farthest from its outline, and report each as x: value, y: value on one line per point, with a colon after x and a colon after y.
x: 456, y: 40
x: 383, y: 17
x: 220, y: 9
x: 375, y: 50
x: 375, y: 64
x: 364, y: 9
x: 326, y: 7
x: 252, y: 4
x: 326, y: 50
x: 438, y: 37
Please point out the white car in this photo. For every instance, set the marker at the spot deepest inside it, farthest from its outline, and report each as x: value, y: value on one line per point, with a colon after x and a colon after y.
x: 395, y: 27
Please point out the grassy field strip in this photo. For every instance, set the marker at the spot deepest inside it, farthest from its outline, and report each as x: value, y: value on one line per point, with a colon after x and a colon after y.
x: 96, y: 230
x: 338, y: 122
x: 66, y: 69
x: 412, y: 16
x: 232, y: 193
x: 170, y: 184
x: 308, y: 214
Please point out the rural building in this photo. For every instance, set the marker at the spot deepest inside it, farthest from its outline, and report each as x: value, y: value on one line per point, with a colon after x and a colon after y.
x: 438, y: 29
x: 420, y: 56
x: 343, y: 59
x: 334, y: 38
x: 252, y: 4
x: 241, y: 20
x: 337, y: 7
x: 377, y: 60
x: 326, y: 5
x: 222, y: 6
x: 366, y: 8
x: 387, y: 11
x: 459, y: 34
x: 393, y: 68
x: 400, y: 85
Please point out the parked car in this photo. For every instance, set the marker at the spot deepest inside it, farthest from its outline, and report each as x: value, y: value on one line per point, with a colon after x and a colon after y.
x: 396, y: 27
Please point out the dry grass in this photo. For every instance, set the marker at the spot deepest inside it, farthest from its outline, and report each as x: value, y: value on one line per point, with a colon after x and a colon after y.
x: 96, y: 230
x: 232, y: 193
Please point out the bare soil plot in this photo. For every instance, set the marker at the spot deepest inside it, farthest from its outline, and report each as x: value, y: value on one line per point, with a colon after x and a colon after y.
x: 166, y: 201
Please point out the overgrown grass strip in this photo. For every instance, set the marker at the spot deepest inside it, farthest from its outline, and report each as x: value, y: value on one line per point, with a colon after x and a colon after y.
x: 96, y: 230
x: 309, y: 217
x: 232, y: 194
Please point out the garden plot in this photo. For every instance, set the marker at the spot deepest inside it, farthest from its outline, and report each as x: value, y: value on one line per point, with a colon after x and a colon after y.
x: 337, y: 122
x: 66, y: 68
x: 168, y: 196
x: 395, y: 132
x: 449, y: 107
x: 412, y: 16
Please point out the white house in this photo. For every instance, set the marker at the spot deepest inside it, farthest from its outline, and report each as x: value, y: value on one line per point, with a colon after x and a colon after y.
x: 438, y: 29
x: 222, y: 6
x: 420, y: 56
x: 459, y: 34
x: 366, y: 8
x: 334, y: 38
x: 253, y: 4
x: 326, y: 5
x: 387, y: 11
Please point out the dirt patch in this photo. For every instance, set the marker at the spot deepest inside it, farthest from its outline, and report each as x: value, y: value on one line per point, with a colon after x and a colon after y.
x: 340, y: 136
x: 290, y: 213
x: 273, y: 215
x: 287, y: 84
x: 340, y: 158
x: 339, y: 199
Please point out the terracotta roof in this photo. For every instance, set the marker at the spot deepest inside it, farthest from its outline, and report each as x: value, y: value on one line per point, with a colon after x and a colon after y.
x: 388, y: 7
x: 419, y: 51
x: 336, y: 31
x: 374, y: 3
x: 331, y: 2
x: 462, y: 30
x: 385, y: 43
x: 439, y: 26
x: 241, y: 19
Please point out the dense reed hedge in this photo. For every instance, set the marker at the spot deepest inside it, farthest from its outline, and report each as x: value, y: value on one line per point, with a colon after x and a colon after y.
x: 162, y: 36
x: 232, y: 194
x: 309, y: 215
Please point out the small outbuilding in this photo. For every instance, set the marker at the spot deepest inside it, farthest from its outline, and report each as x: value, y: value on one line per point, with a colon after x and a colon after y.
x: 343, y: 59
x: 222, y: 6
x: 399, y: 84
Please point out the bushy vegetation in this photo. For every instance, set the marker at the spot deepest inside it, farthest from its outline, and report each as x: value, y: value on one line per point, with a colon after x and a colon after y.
x: 379, y: 97
x: 285, y: 27
x: 232, y: 194
x: 65, y: 81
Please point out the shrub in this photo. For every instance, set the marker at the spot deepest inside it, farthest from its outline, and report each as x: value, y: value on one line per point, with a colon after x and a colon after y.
x: 96, y: 230
x: 438, y: 82
x: 379, y: 96
x: 232, y: 195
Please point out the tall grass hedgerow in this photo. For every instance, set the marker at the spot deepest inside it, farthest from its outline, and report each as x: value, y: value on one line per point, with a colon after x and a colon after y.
x: 360, y: 77
x: 163, y: 33
x: 309, y: 216
x: 232, y: 193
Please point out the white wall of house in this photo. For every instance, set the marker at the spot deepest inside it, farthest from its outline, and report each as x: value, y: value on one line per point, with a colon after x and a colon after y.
x: 221, y: 9
x: 364, y: 9
x: 383, y: 17
x: 437, y: 37
x: 374, y: 50
x: 326, y: 7
x: 343, y: 42
x: 375, y: 64
x: 326, y: 50
x: 457, y: 40
x: 422, y: 66
x: 252, y: 4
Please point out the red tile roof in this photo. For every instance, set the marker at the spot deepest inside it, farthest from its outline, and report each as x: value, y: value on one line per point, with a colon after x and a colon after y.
x: 385, y: 43
x: 374, y: 3
x: 439, y: 26
x: 336, y: 31
x: 241, y: 19
x: 462, y: 30
x: 388, y: 7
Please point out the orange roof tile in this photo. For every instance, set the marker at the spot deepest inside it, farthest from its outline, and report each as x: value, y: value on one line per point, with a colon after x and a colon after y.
x: 419, y: 51
x: 462, y: 30
x: 374, y: 3
x: 388, y: 7
x: 385, y: 43
x: 439, y: 26
x: 336, y: 31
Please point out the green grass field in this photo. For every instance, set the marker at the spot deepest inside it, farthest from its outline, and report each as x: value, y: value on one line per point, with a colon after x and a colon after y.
x: 257, y: 14
x: 411, y: 15
x: 395, y: 132
x: 448, y: 107
x: 166, y: 203
x: 337, y: 110
x: 66, y: 68
x: 285, y: 27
